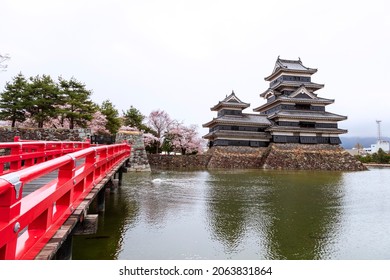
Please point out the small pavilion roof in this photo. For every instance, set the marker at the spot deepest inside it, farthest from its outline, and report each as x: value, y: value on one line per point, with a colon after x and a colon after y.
x: 231, y: 101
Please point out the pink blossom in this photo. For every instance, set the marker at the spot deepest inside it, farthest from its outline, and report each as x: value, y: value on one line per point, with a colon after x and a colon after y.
x: 149, y: 139
x: 98, y: 124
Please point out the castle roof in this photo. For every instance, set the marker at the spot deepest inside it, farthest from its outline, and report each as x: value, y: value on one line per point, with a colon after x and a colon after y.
x: 244, y: 119
x: 300, y: 95
x: 226, y: 134
x: 306, y: 130
x: 292, y: 84
x: 289, y: 66
x: 310, y: 85
x: 300, y: 114
x: 231, y: 101
x: 294, y: 100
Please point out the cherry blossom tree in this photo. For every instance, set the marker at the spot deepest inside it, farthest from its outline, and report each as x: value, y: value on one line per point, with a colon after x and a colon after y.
x: 151, y: 142
x: 58, y: 122
x: 98, y: 123
x: 186, y: 139
x: 160, y: 122
x: 149, y: 139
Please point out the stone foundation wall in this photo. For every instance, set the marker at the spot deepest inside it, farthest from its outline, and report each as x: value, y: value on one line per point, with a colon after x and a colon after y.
x: 276, y: 156
x: 310, y: 157
x: 7, y: 134
x: 179, y: 161
x: 236, y: 157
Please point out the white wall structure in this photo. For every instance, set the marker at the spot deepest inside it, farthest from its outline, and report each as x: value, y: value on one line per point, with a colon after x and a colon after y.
x: 384, y: 145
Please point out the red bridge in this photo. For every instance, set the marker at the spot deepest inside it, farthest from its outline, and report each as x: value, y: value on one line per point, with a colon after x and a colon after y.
x: 45, y: 190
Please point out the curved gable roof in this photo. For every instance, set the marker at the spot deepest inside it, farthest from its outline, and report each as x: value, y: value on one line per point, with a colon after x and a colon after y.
x: 230, y: 101
x: 291, y: 66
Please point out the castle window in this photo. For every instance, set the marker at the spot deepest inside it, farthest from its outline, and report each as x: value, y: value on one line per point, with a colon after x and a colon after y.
x: 302, y: 106
x: 295, y: 78
x: 307, y: 124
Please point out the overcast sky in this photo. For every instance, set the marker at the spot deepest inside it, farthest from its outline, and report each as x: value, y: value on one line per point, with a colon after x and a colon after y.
x: 185, y: 56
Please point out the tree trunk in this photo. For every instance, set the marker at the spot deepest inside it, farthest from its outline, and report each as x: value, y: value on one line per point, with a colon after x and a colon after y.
x: 71, y: 124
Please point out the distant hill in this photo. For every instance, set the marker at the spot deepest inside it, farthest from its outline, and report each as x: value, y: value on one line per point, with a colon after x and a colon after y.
x: 350, y: 142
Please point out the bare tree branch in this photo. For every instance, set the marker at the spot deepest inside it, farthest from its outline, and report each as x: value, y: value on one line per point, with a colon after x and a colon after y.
x: 3, y: 58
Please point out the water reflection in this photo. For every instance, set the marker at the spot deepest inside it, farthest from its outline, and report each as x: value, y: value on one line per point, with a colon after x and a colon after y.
x: 304, y: 211
x: 169, y: 227
x: 227, y: 207
x: 162, y: 195
x: 293, y: 215
x: 226, y: 211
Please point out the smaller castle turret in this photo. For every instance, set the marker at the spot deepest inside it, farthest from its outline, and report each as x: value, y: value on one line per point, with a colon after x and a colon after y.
x: 232, y: 127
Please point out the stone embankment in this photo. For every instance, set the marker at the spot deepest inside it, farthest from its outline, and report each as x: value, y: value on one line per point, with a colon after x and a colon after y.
x: 276, y: 156
x: 311, y: 157
x: 138, y: 157
x: 7, y: 134
x: 179, y: 161
x: 236, y: 157
x: 379, y: 165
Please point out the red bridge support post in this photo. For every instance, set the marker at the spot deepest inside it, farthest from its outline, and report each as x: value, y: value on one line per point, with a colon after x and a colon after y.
x: 101, y: 200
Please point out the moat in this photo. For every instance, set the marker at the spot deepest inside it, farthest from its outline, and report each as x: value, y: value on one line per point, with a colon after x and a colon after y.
x: 244, y: 214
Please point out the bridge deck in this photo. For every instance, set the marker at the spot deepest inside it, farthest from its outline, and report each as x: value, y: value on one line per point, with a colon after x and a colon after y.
x: 52, y: 247
x: 38, y: 183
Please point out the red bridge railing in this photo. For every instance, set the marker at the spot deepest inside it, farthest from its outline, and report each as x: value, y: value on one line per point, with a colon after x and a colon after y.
x: 27, y: 223
x: 21, y: 154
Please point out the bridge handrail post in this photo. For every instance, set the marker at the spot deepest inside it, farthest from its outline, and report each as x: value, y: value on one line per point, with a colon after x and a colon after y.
x: 67, y: 171
x: 41, y: 149
x: 87, y: 143
x: 16, y: 151
x: 10, y: 205
x: 103, y: 155
x: 91, y: 158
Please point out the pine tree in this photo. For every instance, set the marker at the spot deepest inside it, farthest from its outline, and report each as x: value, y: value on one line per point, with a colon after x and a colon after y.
x: 134, y: 118
x: 13, y: 100
x: 78, y: 107
x: 43, y: 99
x: 111, y: 113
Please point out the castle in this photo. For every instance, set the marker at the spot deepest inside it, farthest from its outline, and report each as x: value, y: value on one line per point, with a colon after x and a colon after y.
x: 293, y: 113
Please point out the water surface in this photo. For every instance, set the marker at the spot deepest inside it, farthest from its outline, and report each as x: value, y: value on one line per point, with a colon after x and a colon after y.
x: 244, y: 214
